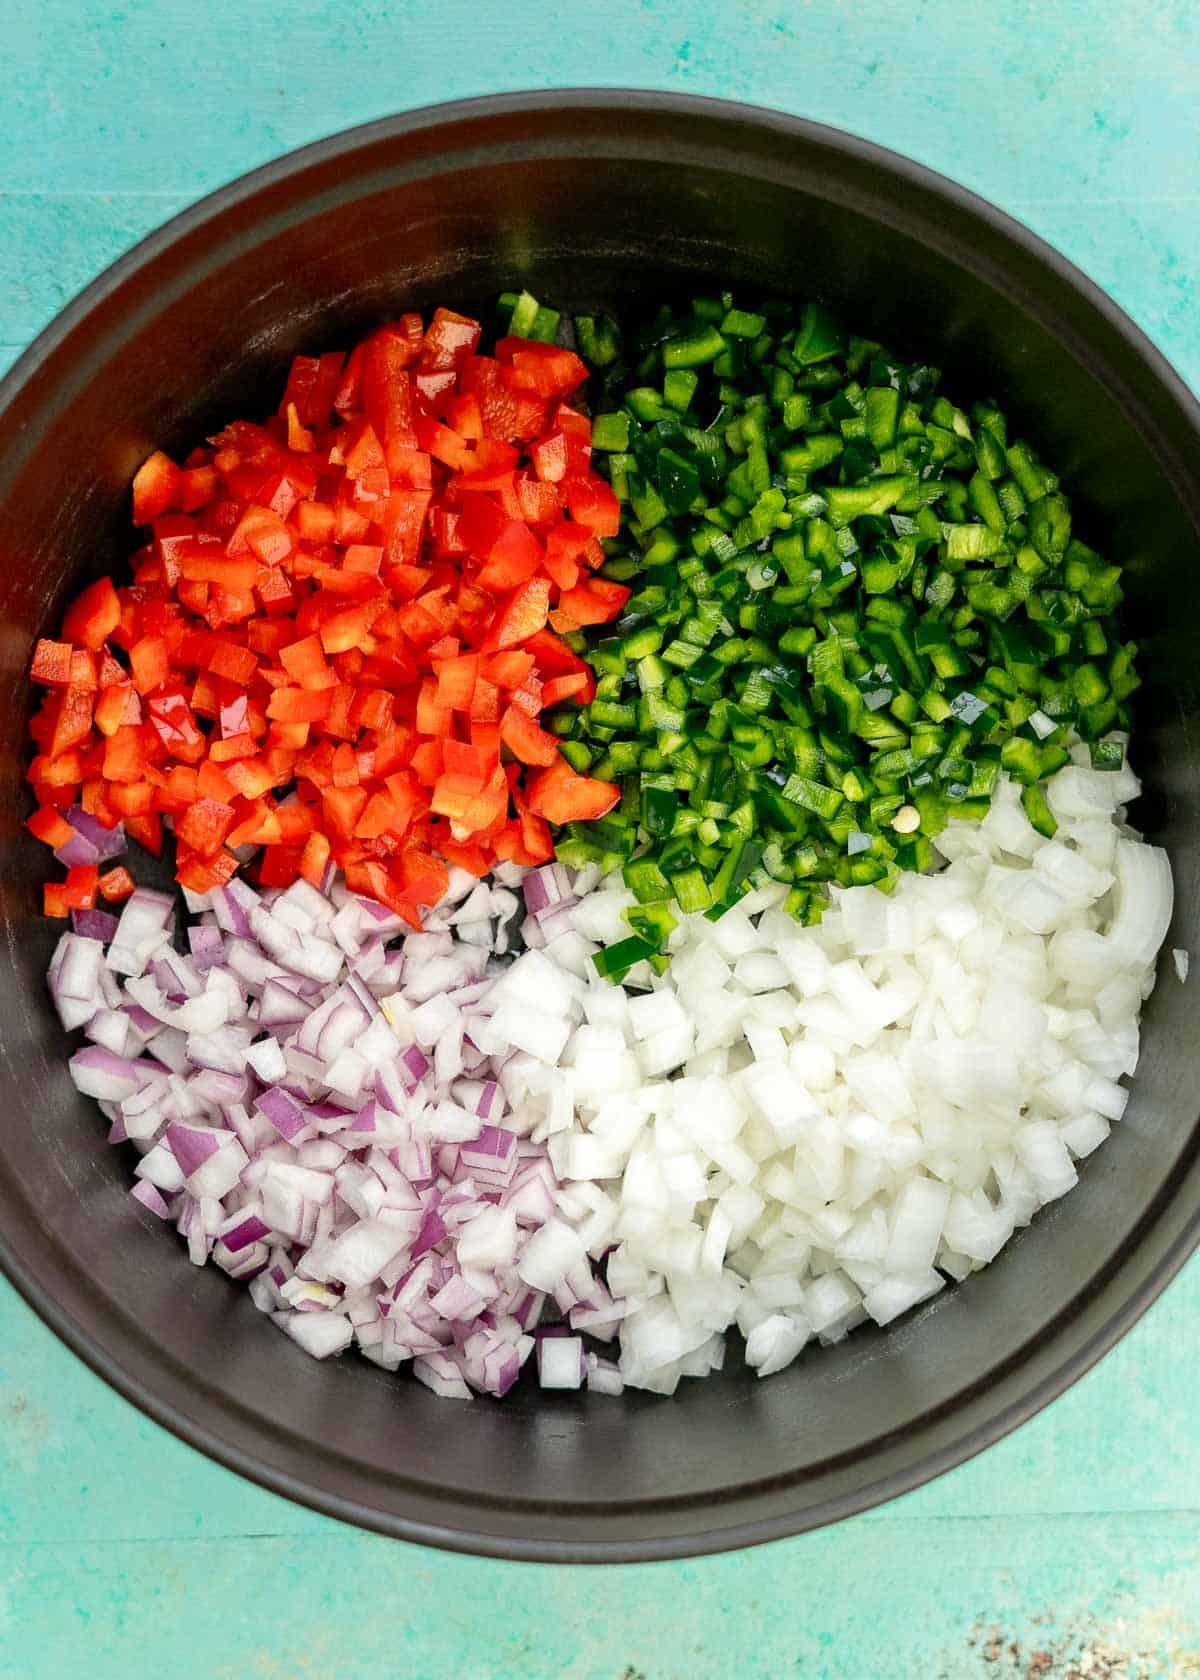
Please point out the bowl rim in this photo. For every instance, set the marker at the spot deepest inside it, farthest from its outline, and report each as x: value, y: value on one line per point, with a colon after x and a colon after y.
x: 1137, y: 1296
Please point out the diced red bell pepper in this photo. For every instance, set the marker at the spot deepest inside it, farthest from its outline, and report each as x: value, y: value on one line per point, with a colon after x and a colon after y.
x: 314, y: 522
x: 549, y: 456
x: 147, y: 831
x: 314, y: 860
x: 525, y: 739
x: 485, y: 702
x: 83, y: 668
x: 72, y: 713
x: 80, y: 887
x: 595, y: 601
x: 456, y: 679
x: 118, y: 707
x: 93, y: 616
x: 155, y: 486
x: 568, y: 687
x: 343, y: 807
x: 257, y: 824
x: 552, y: 655
x: 545, y: 369
x: 304, y: 661
x: 291, y: 620
x: 348, y: 627
x: 522, y: 616
x: 514, y: 558
x: 490, y: 467
x: 408, y: 468
x: 116, y: 884
x: 50, y: 826
x: 150, y: 663
x: 299, y: 437
x: 204, y: 825
x: 509, y: 669
x: 592, y: 503
x: 54, y: 902
x: 528, y: 697
x: 539, y: 503
x: 51, y: 663
x: 464, y: 416
x: 402, y: 523
x: 312, y: 384
x: 279, y: 866
x: 132, y: 799
x: 299, y: 705
x: 560, y: 795
x: 449, y: 339
x: 202, y: 874
x: 386, y: 392
x: 171, y: 719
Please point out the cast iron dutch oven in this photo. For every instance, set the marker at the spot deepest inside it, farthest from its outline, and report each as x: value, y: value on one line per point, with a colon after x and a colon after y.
x: 590, y: 199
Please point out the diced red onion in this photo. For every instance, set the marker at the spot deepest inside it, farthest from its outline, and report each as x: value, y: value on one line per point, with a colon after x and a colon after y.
x: 91, y: 842
x: 94, y: 924
x: 109, y: 842
x: 206, y: 945
x: 151, y: 1198
x: 289, y: 1118
x: 375, y: 1190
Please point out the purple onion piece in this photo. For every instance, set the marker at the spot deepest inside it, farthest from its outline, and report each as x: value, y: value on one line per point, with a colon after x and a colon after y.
x: 415, y: 1064
x: 77, y: 850
x: 94, y: 924
x: 108, y: 842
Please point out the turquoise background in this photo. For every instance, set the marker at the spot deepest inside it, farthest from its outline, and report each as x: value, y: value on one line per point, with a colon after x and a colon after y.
x: 1070, y: 1550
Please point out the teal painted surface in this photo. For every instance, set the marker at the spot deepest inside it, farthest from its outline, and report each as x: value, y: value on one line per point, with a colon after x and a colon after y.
x: 1073, y: 1548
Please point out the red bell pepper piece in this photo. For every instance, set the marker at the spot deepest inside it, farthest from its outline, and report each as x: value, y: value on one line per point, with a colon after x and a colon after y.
x: 279, y: 866
x: 568, y: 687
x: 72, y: 711
x: 539, y: 503
x: 522, y: 616
x: 80, y: 887
x: 513, y: 559
x: 549, y: 456
x: 314, y: 860
x: 49, y: 826
x: 312, y: 384
x: 525, y: 739
x: 560, y: 795
x: 593, y: 504
x: 171, y: 719
x: 402, y: 522
x: 116, y: 884
x: 304, y: 662
x: 204, y: 826
x: 595, y: 601
x: 449, y: 339
x: 118, y: 707
x: 456, y: 679
x: 93, y: 616
x: 386, y: 393
x: 155, y: 486
x: 54, y: 901
x: 147, y: 831
x: 150, y: 663
x: 51, y: 663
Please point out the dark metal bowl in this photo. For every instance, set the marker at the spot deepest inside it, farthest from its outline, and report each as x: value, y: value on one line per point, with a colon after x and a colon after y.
x: 590, y: 199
